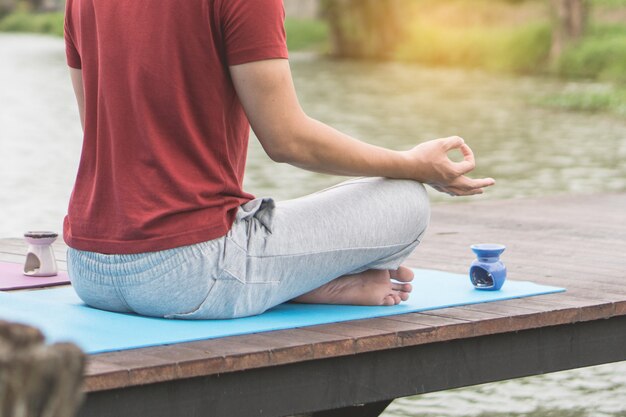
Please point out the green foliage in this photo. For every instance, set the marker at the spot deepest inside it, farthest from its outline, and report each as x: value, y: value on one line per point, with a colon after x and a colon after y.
x: 49, y: 23
x: 464, y: 33
x: 600, y: 55
x: 306, y: 34
x: 301, y: 34
x: 526, y: 48
x: 608, y: 3
x: 503, y: 35
x: 613, y: 100
x: 519, y: 49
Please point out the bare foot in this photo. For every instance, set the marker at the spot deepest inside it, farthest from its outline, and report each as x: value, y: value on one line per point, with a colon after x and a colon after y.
x: 373, y: 287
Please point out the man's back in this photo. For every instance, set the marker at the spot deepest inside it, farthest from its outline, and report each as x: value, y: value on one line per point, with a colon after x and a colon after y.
x: 165, y: 135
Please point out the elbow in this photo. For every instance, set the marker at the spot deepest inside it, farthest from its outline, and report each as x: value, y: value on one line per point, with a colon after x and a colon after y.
x: 279, y: 158
x: 281, y: 152
x: 282, y: 146
x: 288, y: 143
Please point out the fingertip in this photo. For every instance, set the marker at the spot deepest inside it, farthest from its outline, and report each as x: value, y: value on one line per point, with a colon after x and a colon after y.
x: 466, y: 151
x: 466, y: 166
x: 455, y: 141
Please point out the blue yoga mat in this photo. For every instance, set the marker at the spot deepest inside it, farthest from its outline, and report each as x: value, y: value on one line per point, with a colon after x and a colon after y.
x: 62, y: 316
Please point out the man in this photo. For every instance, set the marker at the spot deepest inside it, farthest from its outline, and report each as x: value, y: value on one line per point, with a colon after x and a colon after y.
x: 158, y: 223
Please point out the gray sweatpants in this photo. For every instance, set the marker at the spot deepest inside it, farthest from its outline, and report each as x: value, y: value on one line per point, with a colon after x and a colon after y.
x: 273, y: 253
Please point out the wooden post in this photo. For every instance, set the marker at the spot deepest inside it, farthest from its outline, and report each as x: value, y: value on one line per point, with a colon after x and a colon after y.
x: 38, y: 380
x: 570, y: 20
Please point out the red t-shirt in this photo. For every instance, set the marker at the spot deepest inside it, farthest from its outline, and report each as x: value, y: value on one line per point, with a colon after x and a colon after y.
x: 166, y: 138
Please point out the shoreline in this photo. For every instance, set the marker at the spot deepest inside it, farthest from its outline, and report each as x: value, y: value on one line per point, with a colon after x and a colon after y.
x: 596, y: 58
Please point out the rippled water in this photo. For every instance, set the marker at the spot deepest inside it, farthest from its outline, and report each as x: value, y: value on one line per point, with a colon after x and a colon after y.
x: 598, y: 391
x: 528, y: 149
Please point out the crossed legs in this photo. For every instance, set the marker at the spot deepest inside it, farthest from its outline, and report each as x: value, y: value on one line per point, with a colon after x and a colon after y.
x: 342, y: 245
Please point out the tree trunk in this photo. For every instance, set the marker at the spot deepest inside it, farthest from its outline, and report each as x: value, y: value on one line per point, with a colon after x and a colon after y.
x: 7, y: 6
x: 570, y: 21
x: 364, y: 28
x: 37, y: 380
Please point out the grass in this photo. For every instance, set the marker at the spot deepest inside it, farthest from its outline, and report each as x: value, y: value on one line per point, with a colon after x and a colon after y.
x: 306, y: 34
x: 21, y: 21
x: 613, y: 100
x: 600, y: 55
x: 521, y: 49
x: 608, y: 3
x: 474, y: 38
x: 301, y: 34
x: 501, y: 35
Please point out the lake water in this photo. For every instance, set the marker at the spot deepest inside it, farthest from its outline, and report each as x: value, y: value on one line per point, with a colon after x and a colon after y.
x: 530, y: 150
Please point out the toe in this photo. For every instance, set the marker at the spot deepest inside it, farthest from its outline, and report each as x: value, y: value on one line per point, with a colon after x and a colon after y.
x: 389, y: 300
x: 400, y: 296
x: 402, y: 274
x: 405, y: 288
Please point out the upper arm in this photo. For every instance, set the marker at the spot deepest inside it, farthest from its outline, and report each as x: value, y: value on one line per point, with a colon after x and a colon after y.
x: 266, y: 91
x: 77, y: 83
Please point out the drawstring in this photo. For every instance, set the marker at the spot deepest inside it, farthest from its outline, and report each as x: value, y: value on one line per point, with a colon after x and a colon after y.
x: 260, y: 208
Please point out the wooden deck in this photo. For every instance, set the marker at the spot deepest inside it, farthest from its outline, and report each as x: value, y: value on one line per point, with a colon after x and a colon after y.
x: 576, y: 242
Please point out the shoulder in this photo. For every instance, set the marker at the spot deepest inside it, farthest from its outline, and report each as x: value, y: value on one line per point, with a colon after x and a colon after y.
x: 234, y: 8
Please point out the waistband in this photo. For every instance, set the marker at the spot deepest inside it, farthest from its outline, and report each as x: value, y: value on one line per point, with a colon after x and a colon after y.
x: 140, y: 266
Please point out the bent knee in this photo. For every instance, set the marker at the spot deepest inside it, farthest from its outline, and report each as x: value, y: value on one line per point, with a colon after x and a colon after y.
x: 415, y: 196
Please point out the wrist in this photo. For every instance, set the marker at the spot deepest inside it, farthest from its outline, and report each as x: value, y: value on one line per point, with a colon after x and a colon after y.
x: 401, y: 165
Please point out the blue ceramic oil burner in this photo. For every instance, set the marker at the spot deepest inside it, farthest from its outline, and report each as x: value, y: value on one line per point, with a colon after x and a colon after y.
x: 487, y: 273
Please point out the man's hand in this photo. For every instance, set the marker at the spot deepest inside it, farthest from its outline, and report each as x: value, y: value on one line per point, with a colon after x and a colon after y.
x: 429, y: 163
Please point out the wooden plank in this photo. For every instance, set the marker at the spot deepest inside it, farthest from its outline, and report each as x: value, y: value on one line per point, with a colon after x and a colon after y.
x: 102, y: 376
x: 182, y: 360
x: 337, y: 345
x: 231, y: 354
x: 294, y: 345
x: 345, y: 381
x: 142, y: 367
x: 187, y: 362
x: 236, y: 353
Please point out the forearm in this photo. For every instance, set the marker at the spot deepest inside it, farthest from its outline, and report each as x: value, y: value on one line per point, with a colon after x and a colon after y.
x: 318, y: 147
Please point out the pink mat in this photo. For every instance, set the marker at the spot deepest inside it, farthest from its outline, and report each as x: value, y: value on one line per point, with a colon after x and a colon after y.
x: 12, y: 278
